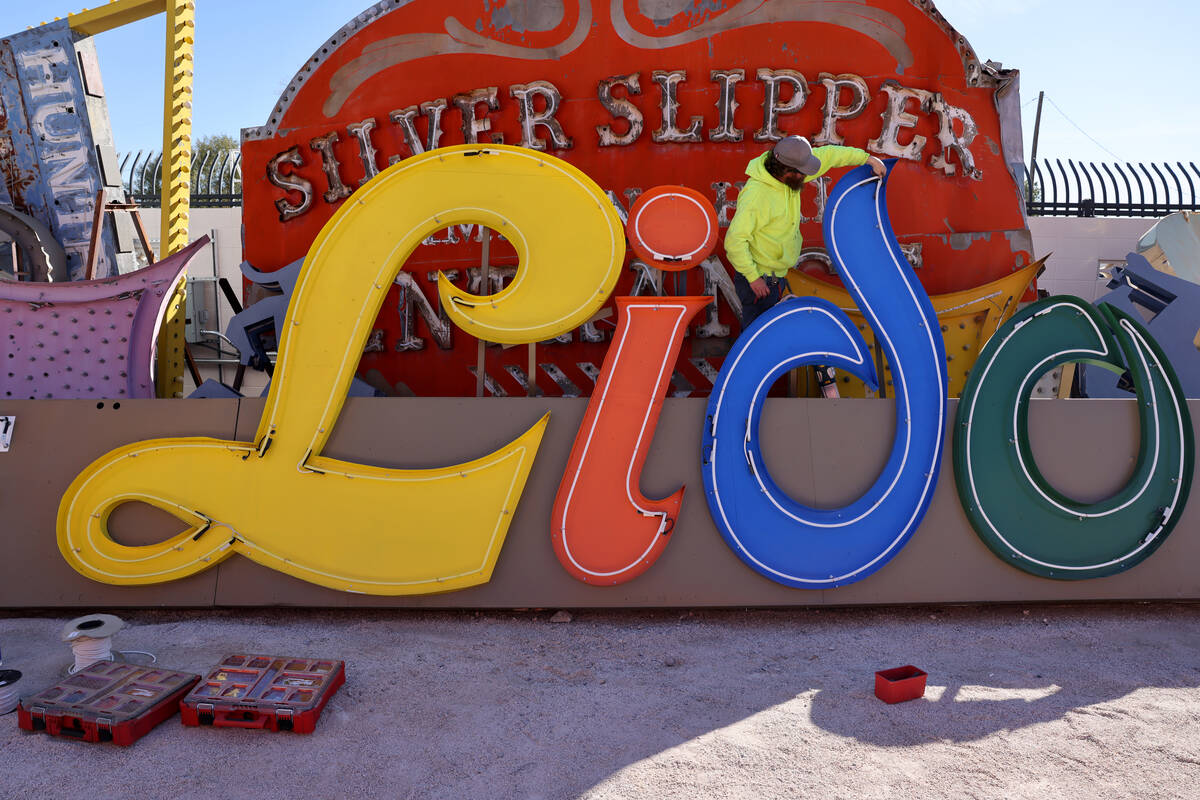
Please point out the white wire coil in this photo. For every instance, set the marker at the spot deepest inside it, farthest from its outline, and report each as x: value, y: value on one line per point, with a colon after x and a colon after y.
x: 8, y: 690
x: 88, y: 651
x: 91, y: 637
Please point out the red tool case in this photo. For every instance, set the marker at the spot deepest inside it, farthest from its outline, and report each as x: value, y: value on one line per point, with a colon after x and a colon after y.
x: 273, y: 692
x: 106, y: 702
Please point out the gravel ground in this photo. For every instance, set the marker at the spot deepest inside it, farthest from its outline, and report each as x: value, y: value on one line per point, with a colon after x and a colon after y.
x: 1022, y: 702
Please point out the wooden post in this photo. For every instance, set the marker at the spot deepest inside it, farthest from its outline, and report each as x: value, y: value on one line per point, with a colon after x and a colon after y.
x: 1065, y: 379
x: 1037, y: 128
x: 141, y: 231
x: 94, y: 241
x: 191, y: 365
x: 482, y: 346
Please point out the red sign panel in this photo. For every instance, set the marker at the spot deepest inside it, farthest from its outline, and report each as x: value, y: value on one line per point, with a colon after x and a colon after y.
x: 637, y: 93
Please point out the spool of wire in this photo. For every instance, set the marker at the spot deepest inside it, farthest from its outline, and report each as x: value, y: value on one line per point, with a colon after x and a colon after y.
x: 90, y: 638
x: 8, y: 690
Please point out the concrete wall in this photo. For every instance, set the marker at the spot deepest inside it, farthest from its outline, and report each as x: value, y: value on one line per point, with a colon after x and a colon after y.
x: 1078, y: 246
x: 222, y: 259
x: 224, y: 225
x: 822, y: 452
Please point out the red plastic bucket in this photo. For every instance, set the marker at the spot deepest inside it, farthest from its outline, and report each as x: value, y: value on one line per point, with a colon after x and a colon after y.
x: 899, y: 684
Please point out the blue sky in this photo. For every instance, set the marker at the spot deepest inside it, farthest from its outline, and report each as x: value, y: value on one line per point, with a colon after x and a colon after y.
x: 1117, y: 75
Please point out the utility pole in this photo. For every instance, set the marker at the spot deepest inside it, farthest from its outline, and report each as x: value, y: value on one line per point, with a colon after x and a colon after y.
x: 1037, y: 127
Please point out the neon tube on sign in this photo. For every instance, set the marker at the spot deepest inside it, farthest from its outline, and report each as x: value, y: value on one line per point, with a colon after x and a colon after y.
x: 785, y: 540
x: 339, y: 527
x: 1014, y: 509
x: 604, y: 531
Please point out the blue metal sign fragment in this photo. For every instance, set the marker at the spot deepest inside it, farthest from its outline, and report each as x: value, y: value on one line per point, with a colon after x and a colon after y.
x: 1171, y: 308
x: 48, y: 148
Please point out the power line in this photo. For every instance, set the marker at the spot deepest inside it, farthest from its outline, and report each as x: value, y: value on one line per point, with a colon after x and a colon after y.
x: 1081, y: 130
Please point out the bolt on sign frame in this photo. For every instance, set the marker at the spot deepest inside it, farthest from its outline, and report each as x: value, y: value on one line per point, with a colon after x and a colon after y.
x: 177, y: 149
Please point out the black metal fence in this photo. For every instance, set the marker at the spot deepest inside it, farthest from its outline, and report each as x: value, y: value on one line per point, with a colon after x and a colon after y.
x: 1079, y: 189
x: 216, y: 178
x: 1057, y: 189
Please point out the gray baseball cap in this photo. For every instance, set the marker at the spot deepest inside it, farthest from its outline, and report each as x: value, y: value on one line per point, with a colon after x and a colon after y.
x: 796, y: 152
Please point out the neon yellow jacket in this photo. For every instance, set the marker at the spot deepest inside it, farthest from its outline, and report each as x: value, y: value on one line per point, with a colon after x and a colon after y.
x: 764, y: 236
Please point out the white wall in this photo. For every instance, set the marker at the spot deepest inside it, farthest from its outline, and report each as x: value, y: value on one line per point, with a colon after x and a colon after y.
x: 224, y: 225
x: 1078, y: 245
x: 222, y: 258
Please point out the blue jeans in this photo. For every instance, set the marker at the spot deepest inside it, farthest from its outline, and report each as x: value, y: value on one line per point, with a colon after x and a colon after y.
x: 753, y: 307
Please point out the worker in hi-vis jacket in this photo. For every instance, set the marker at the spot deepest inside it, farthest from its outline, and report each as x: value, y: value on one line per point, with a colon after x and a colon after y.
x: 764, y: 241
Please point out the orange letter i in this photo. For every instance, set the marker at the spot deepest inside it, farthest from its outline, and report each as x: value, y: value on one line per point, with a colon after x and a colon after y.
x: 604, y: 530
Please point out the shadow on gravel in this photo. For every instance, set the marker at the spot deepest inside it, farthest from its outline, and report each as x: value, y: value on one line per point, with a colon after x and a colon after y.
x: 1011, y: 674
x: 511, y: 705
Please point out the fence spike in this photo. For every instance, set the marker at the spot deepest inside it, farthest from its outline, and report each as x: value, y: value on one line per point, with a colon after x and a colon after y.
x: 1191, y: 186
x: 1166, y: 186
x: 1102, y: 182
x: 215, y: 177
x: 1153, y: 189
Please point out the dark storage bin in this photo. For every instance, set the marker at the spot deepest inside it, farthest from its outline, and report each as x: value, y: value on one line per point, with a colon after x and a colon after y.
x: 273, y: 692
x: 106, y: 702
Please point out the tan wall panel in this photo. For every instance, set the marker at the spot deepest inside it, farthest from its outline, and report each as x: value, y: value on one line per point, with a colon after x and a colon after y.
x: 53, y: 440
x: 823, y: 451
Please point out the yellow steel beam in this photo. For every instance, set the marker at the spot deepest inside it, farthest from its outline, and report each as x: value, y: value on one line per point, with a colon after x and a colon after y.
x: 177, y: 126
x: 116, y: 13
x: 176, y: 181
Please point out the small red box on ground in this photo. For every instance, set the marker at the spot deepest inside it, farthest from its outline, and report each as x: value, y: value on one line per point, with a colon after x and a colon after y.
x: 106, y: 702
x: 899, y: 684
x: 272, y: 692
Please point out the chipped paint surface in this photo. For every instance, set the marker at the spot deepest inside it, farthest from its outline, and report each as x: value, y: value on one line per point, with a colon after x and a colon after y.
x: 637, y: 93
x: 963, y: 241
x: 48, y: 139
x: 42, y: 256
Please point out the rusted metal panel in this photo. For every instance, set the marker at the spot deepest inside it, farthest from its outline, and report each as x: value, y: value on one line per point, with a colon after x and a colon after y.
x: 41, y: 256
x: 638, y: 94
x: 50, y: 129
